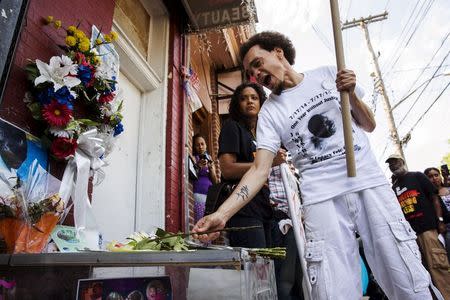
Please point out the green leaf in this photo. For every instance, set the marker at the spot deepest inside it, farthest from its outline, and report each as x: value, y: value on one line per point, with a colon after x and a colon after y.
x: 141, y: 244
x: 73, y: 125
x: 88, y: 122
x: 35, y: 109
x: 171, y: 241
x: 151, y: 246
x: 120, y: 106
x: 32, y: 71
x: 161, y: 232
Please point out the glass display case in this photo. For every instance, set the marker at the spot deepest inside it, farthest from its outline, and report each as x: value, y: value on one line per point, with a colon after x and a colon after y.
x: 199, y: 274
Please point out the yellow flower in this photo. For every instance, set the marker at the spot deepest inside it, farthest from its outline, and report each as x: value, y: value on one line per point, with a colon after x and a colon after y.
x: 49, y: 19
x: 96, y: 60
x: 85, y: 40
x: 83, y: 46
x: 57, y: 24
x: 79, y: 34
x: 71, y: 30
x: 114, y: 35
x: 71, y: 41
x: 98, y: 41
x: 107, y: 38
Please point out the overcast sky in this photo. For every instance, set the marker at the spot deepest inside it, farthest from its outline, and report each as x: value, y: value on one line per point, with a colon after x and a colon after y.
x: 308, y: 24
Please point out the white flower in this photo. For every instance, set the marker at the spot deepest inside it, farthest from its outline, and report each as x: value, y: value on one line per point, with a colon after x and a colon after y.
x: 61, y: 132
x: 67, y: 62
x: 59, y: 72
x: 104, y: 71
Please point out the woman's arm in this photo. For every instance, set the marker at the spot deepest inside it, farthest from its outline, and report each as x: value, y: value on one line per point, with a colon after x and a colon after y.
x: 212, y: 173
x: 231, y: 169
x: 236, y: 170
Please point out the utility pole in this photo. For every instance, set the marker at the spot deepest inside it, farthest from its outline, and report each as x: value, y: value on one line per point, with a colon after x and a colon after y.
x: 379, y: 83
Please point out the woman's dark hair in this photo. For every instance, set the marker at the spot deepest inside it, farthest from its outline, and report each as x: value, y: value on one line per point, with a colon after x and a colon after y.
x: 196, y: 136
x: 234, y: 109
x: 428, y: 170
x: 269, y: 40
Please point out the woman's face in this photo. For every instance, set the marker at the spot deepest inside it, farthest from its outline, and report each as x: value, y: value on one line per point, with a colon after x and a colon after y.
x: 435, y: 177
x: 151, y: 293
x: 249, y: 104
x: 200, y: 145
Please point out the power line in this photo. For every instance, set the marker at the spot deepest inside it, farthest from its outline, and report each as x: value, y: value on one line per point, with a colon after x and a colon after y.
x: 428, y: 64
x: 322, y: 37
x: 428, y: 109
x: 382, y: 24
x: 415, y: 69
x: 428, y: 83
x: 412, y: 34
x: 348, y: 9
x: 398, y: 42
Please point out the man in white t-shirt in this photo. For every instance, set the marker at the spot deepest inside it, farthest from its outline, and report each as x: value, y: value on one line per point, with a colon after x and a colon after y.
x: 303, y: 114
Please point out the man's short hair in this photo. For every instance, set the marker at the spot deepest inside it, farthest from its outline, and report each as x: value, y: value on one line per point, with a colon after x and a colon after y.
x: 269, y: 40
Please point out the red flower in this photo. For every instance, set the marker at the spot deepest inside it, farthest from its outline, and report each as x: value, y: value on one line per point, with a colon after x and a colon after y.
x: 63, y: 147
x: 56, y: 114
x: 80, y: 58
x: 106, y: 98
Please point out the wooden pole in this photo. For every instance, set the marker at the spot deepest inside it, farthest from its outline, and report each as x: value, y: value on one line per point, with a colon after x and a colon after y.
x: 345, y: 100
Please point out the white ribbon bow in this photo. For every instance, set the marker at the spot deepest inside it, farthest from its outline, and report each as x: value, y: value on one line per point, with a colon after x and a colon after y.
x: 76, y: 178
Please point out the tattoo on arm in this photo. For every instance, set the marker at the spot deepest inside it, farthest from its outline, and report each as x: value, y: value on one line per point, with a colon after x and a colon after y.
x: 243, y: 193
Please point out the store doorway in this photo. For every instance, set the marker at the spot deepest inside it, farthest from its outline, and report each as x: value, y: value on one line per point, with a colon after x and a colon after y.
x: 115, y: 197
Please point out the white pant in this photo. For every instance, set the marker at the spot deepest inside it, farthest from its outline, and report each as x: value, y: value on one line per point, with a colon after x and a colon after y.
x: 388, y: 240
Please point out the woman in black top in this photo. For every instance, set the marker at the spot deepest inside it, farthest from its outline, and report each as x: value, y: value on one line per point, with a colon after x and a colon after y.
x: 237, y: 147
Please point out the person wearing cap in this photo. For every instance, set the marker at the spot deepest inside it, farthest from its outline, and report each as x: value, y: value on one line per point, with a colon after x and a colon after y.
x: 303, y: 113
x: 421, y: 207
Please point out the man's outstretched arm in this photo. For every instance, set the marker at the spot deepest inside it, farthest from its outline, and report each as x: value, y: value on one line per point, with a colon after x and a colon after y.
x: 247, y: 188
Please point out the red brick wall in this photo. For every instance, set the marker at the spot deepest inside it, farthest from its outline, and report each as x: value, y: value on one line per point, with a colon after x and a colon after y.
x: 190, y: 188
x: 39, y: 41
x: 175, y: 131
x: 175, y: 140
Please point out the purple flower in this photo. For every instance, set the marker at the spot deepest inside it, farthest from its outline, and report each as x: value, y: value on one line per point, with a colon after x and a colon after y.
x: 118, y: 129
x: 64, y: 97
x: 45, y: 95
x: 85, y: 74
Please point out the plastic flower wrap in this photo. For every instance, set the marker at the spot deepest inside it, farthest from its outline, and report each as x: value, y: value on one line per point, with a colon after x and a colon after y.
x: 33, y: 208
x: 74, y: 92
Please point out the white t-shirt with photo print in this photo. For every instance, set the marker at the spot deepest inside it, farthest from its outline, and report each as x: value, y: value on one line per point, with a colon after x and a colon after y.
x: 307, y: 120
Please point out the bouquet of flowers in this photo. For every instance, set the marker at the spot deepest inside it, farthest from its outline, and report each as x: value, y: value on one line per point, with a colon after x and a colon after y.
x: 30, y: 211
x: 75, y: 95
x: 77, y: 79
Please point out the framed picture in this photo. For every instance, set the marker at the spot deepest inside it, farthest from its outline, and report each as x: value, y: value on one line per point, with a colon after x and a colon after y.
x: 136, y: 288
x: 12, y: 14
x: 18, y: 150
